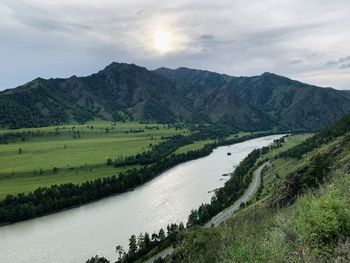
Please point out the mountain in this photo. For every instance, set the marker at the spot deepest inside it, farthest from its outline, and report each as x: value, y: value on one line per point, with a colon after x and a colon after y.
x: 290, y: 103
x: 118, y: 92
x: 347, y: 93
x: 129, y: 92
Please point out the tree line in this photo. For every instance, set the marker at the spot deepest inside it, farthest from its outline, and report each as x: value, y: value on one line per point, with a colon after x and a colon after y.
x: 139, y: 246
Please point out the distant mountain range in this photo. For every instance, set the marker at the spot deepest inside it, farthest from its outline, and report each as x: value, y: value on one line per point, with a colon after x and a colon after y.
x: 129, y: 92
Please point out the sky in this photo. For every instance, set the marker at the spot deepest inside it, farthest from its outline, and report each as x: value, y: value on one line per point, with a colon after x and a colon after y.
x: 304, y: 40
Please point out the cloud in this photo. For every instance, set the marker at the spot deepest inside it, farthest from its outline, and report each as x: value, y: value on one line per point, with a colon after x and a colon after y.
x: 42, y: 19
x: 60, y: 38
x: 339, y: 61
x: 206, y: 43
x: 343, y: 66
x: 296, y: 61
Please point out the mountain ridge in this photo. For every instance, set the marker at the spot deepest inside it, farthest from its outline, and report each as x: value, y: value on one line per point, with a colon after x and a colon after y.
x: 289, y: 102
x: 124, y: 91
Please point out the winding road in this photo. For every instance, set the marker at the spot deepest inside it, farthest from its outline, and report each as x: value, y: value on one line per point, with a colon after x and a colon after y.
x: 226, y: 213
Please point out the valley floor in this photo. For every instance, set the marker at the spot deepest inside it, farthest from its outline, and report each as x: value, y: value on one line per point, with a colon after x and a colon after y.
x: 40, y: 157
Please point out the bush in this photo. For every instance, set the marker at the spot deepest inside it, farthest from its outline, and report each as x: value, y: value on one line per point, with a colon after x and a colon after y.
x: 322, y: 220
x: 317, y: 221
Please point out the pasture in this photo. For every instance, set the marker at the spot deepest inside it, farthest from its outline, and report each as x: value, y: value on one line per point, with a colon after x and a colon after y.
x: 72, y: 153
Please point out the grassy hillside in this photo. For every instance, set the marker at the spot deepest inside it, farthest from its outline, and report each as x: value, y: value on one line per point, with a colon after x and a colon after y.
x: 71, y: 153
x: 300, y: 214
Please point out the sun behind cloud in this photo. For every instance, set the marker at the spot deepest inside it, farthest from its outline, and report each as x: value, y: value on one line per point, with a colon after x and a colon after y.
x: 162, y: 41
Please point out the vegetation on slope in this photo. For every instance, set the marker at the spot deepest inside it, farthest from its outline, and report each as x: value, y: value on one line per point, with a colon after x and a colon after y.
x: 287, y: 102
x: 121, y: 92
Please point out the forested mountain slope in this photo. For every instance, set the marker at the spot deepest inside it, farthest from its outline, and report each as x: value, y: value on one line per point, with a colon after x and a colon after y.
x: 129, y: 92
x: 288, y: 102
x: 122, y: 92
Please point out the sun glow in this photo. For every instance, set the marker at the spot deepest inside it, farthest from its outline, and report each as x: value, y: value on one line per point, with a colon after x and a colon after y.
x: 162, y: 41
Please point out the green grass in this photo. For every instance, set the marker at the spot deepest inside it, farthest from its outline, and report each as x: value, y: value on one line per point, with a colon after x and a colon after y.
x: 23, y: 183
x: 194, y: 146
x: 77, y: 159
x: 310, y: 230
x: 79, y: 152
x: 200, y: 144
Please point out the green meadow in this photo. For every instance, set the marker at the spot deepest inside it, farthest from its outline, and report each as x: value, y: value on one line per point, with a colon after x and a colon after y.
x: 72, y: 153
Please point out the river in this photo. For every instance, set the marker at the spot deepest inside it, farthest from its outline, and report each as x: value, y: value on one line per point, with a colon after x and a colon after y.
x: 77, y: 234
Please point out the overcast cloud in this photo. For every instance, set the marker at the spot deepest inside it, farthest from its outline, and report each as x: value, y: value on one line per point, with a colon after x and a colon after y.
x: 304, y: 40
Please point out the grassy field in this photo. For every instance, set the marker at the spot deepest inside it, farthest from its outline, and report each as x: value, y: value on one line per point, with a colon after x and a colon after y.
x: 79, y: 152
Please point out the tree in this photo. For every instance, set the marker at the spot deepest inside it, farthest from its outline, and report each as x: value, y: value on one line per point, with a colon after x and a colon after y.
x: 141, y: 242
x: 147, y: 240
x: 121, y: 253
x: 181, y: 227
x: 317, y: 169
x: 154, y: 237
x: 161, y: 234
x: 132, y: 245
x: 97, y: 259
